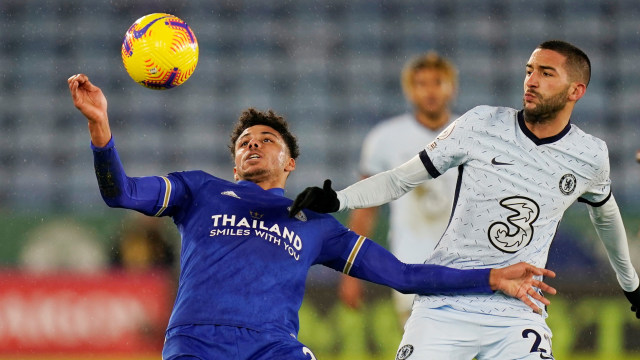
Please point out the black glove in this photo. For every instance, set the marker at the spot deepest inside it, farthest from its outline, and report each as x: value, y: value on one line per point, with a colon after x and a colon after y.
x: 634, y: 299
x: 323, y: 200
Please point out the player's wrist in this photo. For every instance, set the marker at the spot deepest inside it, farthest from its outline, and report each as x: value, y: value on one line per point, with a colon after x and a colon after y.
x: 494, y: 279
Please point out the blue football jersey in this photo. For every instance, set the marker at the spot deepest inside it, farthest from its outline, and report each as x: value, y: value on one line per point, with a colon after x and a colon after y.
x: 244, y: 261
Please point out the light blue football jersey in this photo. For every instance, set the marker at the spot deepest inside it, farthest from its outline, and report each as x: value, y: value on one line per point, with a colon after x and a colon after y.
x: 512, y: 191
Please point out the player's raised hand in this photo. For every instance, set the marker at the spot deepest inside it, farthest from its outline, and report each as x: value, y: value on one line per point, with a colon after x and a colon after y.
x: 518, y: 281
x: 92, y: 103
x: 88, y: 98
x: 322, y: 200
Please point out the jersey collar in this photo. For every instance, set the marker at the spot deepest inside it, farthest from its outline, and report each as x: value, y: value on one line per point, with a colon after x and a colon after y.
x: 534, y: 138
x: 274, y: 191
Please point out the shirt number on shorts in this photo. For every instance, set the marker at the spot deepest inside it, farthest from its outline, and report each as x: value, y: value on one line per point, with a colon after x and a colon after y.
x: 306, y: 351
x: 526, y: 333
x: 526, y: 213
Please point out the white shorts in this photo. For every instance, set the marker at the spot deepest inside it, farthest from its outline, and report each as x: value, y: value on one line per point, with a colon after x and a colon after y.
x: 402, y: 302
x: 445, y: 333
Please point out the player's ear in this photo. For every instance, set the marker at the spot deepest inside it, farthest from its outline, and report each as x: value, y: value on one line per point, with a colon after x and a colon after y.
x: 290, y: 165
x: 235, y: 174
x: 576, y: 91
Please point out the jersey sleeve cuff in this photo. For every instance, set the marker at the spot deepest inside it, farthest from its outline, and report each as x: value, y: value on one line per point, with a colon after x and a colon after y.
x: 109, y: 145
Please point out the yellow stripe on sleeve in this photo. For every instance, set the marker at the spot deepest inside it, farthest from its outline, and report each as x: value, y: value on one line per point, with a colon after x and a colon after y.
x: 167, y: 194
x: 353, y: 255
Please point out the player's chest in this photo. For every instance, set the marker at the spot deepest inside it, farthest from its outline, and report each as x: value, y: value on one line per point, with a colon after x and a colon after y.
x: 547, y: 173
x: 251, y: 228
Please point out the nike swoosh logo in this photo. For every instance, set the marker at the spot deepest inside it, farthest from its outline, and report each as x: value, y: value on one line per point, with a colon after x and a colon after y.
x: 137, y: 34
x: 495, y: 162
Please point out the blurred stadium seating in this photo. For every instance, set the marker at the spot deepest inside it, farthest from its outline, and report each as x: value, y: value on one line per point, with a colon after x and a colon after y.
x: 331, y: 68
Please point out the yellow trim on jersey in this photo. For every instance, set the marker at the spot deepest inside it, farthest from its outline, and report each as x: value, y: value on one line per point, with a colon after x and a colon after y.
x: 354, y: 253
x: 167, y: 194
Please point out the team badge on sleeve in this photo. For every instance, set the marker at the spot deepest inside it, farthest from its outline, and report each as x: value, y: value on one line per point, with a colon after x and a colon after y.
x: 404, y: 352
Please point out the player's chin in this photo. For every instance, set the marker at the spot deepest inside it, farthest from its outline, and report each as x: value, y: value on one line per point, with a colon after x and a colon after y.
x: 253, y: 174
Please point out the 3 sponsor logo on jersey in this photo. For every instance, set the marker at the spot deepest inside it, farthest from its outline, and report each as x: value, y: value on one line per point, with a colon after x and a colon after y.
x: 253, y: 225
x: 517, y: 232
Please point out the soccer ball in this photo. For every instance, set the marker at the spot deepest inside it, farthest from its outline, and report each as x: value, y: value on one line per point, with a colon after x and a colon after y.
x: 159, y: 51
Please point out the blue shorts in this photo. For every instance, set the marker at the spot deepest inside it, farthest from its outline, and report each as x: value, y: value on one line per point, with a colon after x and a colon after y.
x: 228, y: 342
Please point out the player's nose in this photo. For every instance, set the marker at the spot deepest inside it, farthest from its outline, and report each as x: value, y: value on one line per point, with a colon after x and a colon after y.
x: 253, y: 143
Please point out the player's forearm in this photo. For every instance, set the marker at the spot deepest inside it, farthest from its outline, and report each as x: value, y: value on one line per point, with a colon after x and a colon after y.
x: 118, y: 189
x: 384, y: 187
x: 608, y: 223
x: 100, y: 132
x: 380, y: 266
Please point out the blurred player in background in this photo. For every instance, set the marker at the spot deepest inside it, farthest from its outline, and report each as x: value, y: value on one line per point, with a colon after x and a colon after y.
x: 418, y: 219
x: 518, y: 171
x: 244, y: 261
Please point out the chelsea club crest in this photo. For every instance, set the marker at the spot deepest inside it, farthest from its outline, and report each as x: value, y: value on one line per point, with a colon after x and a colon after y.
x: 567, y: 184
x: 404, y: 352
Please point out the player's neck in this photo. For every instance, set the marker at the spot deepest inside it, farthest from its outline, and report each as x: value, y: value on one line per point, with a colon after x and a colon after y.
x: 549, y: 127
x: 433, y: 121
x: 271, y: 184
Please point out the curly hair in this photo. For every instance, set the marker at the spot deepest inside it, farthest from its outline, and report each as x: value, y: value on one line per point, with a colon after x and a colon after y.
x: 251, y: 117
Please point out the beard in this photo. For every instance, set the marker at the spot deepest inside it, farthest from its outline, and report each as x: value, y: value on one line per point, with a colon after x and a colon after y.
x: 547, y: 109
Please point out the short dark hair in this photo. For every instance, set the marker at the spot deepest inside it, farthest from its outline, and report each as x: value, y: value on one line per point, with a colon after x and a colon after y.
x: 251, y: 117
x: 578, y: 64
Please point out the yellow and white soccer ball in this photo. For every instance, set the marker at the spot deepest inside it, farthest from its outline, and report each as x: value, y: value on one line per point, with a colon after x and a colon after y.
x: 160, y: 51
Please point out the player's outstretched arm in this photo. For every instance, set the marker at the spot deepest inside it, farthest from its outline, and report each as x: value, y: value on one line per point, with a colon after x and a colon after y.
x: 92, y: 103
x: 372, y: 191
x: 376, y: 264
x: 518, y: 281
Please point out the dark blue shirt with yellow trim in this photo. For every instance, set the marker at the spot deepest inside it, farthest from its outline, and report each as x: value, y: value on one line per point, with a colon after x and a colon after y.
x: 244, y: 261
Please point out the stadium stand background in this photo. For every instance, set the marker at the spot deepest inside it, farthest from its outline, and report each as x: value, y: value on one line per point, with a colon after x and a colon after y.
x: 330, y: 67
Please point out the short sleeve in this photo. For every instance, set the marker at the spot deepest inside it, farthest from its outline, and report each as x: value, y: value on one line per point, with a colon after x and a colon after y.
x: 599, y: 190
x: 450, y: 148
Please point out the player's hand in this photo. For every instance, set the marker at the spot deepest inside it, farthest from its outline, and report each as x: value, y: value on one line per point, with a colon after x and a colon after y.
x: 634, y: 299
x: 350, y: 291
x: 322, y: 200
x: 518, y: 281
x: 88, y: 98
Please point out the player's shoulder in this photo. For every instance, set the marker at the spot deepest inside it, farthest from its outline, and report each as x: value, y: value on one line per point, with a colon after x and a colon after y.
x: 195, y: 178
x: 587, y: 140
x: 489, y: 113
x: 485, y: 116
